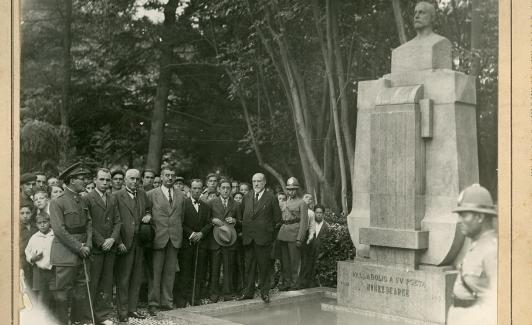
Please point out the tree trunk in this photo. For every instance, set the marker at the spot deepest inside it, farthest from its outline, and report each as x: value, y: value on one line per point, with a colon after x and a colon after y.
x: 399, y: 20
x: 328, y: 57
x: 163, y: 88
x: 67, y: 64
x: 476, y: 32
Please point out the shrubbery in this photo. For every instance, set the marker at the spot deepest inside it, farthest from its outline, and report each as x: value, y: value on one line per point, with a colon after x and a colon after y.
x: 336, y: 247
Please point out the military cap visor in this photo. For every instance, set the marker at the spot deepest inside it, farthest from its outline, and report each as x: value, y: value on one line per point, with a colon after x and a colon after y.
x: 74, y: 170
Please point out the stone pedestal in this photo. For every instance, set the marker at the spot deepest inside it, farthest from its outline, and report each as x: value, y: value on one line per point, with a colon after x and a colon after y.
x: 423, y: 295
x: 416, y: 149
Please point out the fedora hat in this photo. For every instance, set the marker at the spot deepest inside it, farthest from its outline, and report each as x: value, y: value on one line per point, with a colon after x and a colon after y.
x: 225, y: 235
x: 146, y: 234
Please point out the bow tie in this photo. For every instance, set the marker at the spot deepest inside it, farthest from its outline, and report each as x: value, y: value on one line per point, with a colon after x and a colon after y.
x: 195, y: 202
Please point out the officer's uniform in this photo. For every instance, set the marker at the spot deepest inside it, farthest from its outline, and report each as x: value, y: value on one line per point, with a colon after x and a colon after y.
x: 71, y: 223
x: 475, y: 289
x: 293, y: 229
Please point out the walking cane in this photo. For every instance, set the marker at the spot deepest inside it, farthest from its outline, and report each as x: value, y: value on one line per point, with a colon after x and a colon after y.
x: 88, y: 290
x: 195, y: 270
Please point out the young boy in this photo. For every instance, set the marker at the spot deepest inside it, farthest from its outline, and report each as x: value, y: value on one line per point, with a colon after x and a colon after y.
x: 27, y: 229
x: 42, y: 201
x: 38, y: 254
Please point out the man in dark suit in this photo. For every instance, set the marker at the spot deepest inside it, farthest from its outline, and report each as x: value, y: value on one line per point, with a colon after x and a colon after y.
x: 148, y: 175
x: 197, y: 227
x: 226, y: 215
x: 168, y: 206
x: 261, y: 216
x: 71, y: 223
x: 315, y: 251
x: 106, y: 225
x: 134, y: 208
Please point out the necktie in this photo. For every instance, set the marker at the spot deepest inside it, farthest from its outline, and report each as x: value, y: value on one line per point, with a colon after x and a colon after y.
x: 225, y: 203
x: 256, y: 197
x: 104, y: 199
x: 170, y: 196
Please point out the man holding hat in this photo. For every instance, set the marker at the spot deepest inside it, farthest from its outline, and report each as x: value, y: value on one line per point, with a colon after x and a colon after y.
x: 72, y: 243
x: 134, y: 209
x: 475, y: 289
x: 226, y: 214
x: 292, y: 234
x: 27, y: 183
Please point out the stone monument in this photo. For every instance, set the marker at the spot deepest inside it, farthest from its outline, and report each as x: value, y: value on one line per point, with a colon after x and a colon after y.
x: 416, y: 148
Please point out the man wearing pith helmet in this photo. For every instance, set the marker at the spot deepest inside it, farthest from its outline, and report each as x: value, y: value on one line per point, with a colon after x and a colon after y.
x: 292, y: 234
x: 475, y: 289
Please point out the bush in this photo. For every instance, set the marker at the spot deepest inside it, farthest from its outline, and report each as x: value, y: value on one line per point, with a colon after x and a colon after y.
x: 336, y: 247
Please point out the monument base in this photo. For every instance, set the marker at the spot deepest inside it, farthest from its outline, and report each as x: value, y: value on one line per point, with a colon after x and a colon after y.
x: 422, y: 295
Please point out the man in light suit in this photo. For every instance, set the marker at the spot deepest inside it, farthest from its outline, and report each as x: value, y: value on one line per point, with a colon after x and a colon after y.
x: 134, y: 208
x: 261, y: 215
x: 197, y: 226
x: 226, y: 215
x: 168, y: 206
x: 106, y: 225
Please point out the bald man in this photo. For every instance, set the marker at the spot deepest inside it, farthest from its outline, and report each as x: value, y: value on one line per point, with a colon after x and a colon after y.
x: 261, y: 216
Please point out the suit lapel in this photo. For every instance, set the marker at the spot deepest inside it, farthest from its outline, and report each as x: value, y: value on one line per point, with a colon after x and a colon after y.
x: 96, y: 196
x: 230, y: 204
x: 260, y: 204
x: 129, y: 202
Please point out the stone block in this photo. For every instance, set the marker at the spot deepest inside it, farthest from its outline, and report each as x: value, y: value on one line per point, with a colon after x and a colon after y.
x: 399, y: 238
x: 422, y: 295
x: 433, y: 53
x: 426, y: 109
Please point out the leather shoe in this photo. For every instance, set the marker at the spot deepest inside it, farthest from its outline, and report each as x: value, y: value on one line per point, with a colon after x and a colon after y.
x: 123, y: 319
x: 107, y: 322
x: 152, y: 311
x: 135, y: 314
x: 165, y: 308
x: 244, y: 297
x: 266, y: 298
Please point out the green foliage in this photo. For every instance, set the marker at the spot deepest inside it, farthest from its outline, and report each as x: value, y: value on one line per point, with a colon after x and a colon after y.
x: 39, y: 142
x: 336, y: 247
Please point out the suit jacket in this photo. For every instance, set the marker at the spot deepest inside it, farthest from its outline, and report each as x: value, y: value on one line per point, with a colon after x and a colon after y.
x: 324, y: 233
x: 259, y: 219
x: 72, y: 226
x: 106, y: 222
x: 220, y: 212
x: 197, y: 221
x: 167, y: 219
x: 130, y: 215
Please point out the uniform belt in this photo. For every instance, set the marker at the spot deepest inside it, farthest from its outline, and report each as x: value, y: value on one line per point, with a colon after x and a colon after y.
x: 76, y: 230
x: 463, y: 303
x: 291, y: 221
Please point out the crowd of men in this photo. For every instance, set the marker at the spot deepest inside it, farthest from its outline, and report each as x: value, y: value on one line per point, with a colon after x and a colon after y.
x: 93, y: 243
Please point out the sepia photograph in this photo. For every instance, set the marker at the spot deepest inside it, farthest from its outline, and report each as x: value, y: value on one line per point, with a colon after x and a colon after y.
x: 257, y: 162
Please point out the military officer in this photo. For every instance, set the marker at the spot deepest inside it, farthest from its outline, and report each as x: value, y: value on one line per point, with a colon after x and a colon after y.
x: 71, y: 223
x: 292, y: 234
x: 475, y: 289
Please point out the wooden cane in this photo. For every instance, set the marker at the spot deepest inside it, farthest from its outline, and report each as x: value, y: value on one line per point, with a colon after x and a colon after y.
x: 195, y: 270
x: 88, y: 290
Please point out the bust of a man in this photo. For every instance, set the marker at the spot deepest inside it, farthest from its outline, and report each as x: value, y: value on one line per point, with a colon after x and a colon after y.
x: 427, y: 50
